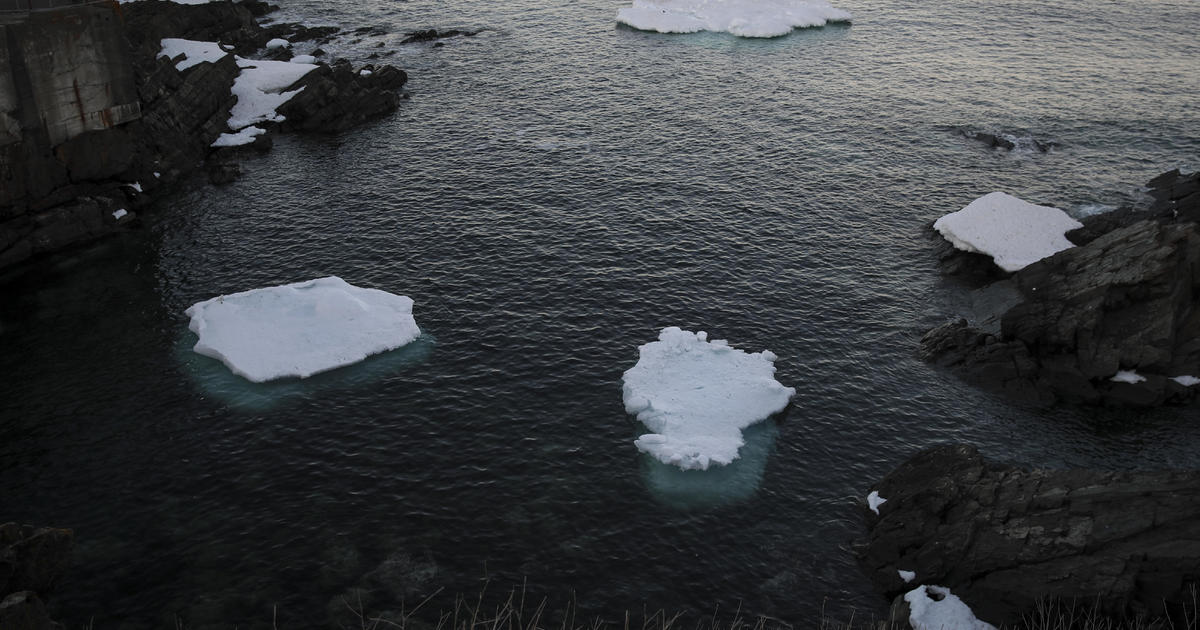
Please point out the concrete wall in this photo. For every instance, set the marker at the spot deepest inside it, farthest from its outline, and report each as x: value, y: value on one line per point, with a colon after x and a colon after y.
x: 72, y: 67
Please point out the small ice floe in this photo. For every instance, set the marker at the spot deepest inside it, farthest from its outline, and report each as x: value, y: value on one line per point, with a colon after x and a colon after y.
x: 744, y: 18
x: 874, y: 501
x: 1013, y: 232
x: 907, y: 576
x: 304, y: 59
x: 697, y: 396
x: 300, y: 329
x: 1186, y: 381
x: 277, y: 43
x: 935, y: 608
x: 245, y: 136
x: 120, y: 212
x: 194, y: 52
x: 1127, y: 376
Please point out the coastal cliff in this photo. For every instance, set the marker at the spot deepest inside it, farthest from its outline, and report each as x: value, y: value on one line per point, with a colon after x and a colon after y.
x: 95, y: 123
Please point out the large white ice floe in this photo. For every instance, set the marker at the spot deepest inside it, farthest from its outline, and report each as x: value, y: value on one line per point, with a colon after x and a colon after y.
x: 744, y: 18
x: 948, y: 612
x: 1013, y: 232
x: 697, y: 396
x: 194, y: 52
x: 300, y: 329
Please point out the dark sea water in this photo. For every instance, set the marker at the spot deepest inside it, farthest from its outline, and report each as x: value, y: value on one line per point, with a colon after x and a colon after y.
x: 556, y: 190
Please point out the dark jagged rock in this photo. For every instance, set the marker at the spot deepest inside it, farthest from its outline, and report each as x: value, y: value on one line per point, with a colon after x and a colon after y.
x: 234, y: 24
x: 1128, y: 299
x: 1003, y: 538
x: 433, y: 34
x: 1007, y: 142
x: 32, y: 560
x: 336, y: 97
x: 294, y: 32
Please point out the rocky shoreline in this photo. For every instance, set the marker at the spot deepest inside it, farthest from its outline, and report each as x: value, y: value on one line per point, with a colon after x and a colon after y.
x: 1114, y: 320
x: 1008, y: 540
x: 59, y: 194
x: 32, y: 560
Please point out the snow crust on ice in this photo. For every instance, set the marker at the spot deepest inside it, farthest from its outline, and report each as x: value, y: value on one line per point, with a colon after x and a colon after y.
x: 744, y: 18
x: 1186, y: 381
x: 278, y: 42
x: 259, y: 90
x: 951, y: 613
x: 195, y: 52
x: 1013, y: 232
x: 874, y: 501
x: 907, y: 576
x: 697, y: 396
x: 300, y: 329
x: 1127, y: 376
x: 245, y: 136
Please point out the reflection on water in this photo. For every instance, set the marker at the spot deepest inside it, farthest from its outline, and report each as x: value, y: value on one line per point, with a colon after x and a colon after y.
x: 217, y: 381
x: 719, y: 485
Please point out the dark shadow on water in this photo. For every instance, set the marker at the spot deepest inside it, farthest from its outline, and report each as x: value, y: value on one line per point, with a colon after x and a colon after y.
x: 719, y: 485
x: 216, y: 380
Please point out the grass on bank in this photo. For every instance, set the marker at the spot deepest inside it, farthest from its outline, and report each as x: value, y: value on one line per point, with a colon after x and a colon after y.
x: 515, y: 613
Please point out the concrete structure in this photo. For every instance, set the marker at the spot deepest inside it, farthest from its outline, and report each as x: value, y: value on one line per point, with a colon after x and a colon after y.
x: 66, y: 70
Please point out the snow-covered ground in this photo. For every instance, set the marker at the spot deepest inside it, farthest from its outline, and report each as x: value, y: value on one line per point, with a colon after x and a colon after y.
x: 947, y: 613
x: 300, y: 329
x: 1013, y: 232
x: 697, y: 396
x: 745, y: 18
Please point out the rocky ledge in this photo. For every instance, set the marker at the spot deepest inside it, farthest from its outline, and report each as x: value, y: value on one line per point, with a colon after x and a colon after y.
x: 1005, y: 539
x: 153, y: 125
x: 1115, y: 320
x: 31, y: 562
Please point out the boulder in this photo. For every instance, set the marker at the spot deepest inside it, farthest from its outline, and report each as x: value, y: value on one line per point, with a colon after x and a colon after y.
x: 1005, y: 538
x: 335, y: 97
x: 1124, y: 300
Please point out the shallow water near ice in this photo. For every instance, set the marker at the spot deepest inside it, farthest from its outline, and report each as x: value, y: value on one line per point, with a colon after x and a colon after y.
x: 556, y: 190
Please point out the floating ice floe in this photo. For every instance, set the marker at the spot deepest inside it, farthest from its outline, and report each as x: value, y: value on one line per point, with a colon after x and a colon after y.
x: 907, y: 576
x: 194, y: 52
x: 947, y: 613
x: 1013, y: 232
x: 1127, y: 376
x: 874, y: 501
x: 697, y: 396
x: 1186, y: 381
x: 278, y: 42
x: 744, y: 18
x: 300, y: 329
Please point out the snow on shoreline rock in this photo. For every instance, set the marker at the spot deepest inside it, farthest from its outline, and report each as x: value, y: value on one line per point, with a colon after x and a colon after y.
x: 744, y: 18
x: 1013, y: 232
x: 942, y: 611
x: 300, y: 329
x: 697, y: 396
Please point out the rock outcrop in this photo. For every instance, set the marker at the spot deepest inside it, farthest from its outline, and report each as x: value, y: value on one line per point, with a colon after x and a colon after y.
x: 66, y: 186
x: 1127, y: 300
x: 31, y: 563
x: 1005, y: 538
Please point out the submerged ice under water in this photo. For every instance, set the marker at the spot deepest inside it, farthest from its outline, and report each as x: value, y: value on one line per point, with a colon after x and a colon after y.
x: 774, y: 192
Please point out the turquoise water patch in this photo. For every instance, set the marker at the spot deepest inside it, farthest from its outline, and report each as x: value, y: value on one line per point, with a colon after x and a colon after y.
x: 719, y: 485
x: 218, y: 382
